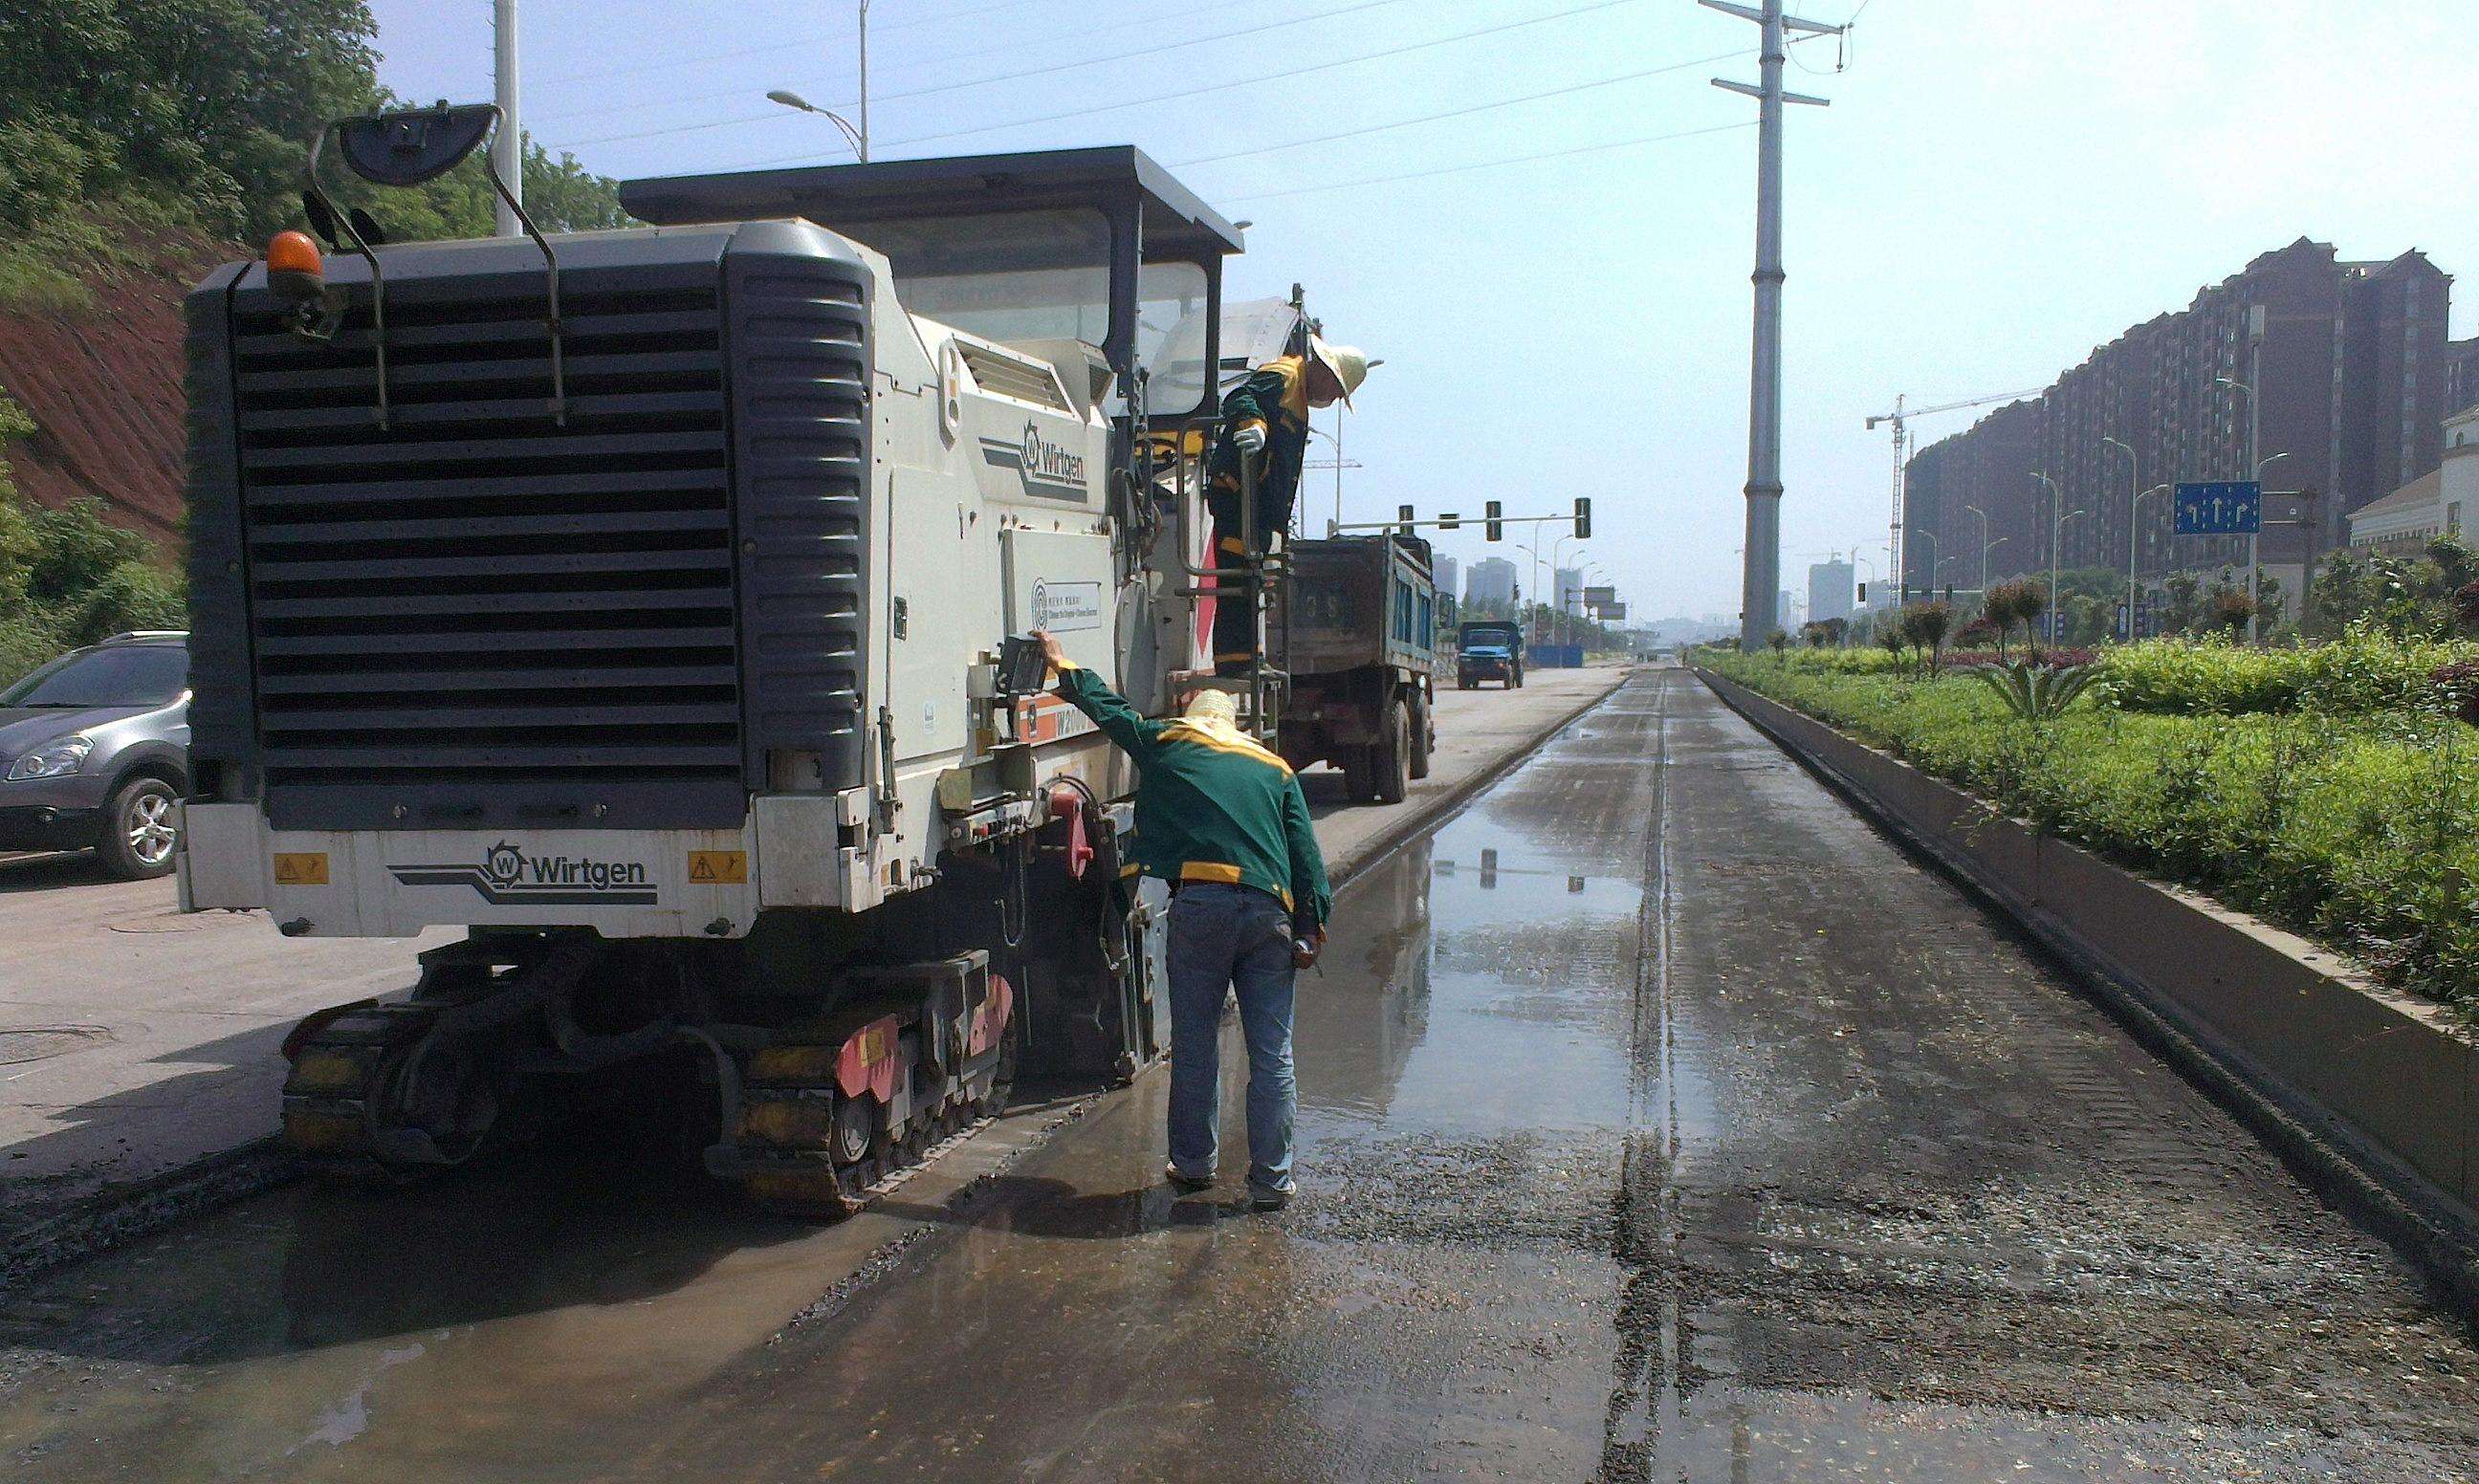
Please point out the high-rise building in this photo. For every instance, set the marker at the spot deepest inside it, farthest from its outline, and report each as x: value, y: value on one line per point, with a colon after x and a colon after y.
x: 1491, y: 583
x: 2462, y: 375
x: 1570, y: 589
x: 1828, y: 591
x: 2354, y: 371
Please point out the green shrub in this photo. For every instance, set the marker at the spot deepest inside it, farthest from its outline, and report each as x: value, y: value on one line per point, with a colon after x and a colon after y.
x: 2364, y: 671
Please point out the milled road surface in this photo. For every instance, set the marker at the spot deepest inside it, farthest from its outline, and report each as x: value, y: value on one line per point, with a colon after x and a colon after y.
x: 1660, y: 1120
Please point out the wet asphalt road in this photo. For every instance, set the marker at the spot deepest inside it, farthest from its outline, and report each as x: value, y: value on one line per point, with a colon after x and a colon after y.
x: 1660, y: 1120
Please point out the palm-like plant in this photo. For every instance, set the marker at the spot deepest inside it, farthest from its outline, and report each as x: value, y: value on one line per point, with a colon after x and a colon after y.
x: 2038, y: 693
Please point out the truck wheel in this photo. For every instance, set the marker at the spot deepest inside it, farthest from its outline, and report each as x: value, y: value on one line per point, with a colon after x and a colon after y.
x: 1394, y: 756
x: 1424, y: 736
x: 139, y: 833
x: 1357, y: 772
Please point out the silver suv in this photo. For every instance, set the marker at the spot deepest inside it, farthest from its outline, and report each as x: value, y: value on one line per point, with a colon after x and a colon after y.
x: 94, y: 751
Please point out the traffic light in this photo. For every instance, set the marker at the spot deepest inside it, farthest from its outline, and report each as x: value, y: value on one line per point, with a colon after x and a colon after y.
x: 1584, y: 517
x: 1448, y: 520
x: 1494, y: 511
x: 1404, y: 514
x: 1863, y: 595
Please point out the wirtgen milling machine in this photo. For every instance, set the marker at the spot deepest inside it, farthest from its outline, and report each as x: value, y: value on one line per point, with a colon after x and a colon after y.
x: 639, y: 599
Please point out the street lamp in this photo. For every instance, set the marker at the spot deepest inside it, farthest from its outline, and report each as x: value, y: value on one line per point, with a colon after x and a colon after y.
x: 2057, y: 535
x: 2132, y: 507
x: 858, y: 139
x: 1558, y: 604
x: 1983, y: 549
x: 2057, y: 539
x: 1340, y: 464
x: 1986, y: 548
x: 1532, y: 551
x: 1934, y: 562
x: 2133, y: 468
x: 2255, y: 538
x: 2255, y: 568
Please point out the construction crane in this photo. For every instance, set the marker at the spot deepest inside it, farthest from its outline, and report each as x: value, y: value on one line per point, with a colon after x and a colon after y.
x: 1901, y: 418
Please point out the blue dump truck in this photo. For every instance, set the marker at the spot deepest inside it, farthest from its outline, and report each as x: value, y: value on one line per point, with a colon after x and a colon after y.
x: 1489, y: 650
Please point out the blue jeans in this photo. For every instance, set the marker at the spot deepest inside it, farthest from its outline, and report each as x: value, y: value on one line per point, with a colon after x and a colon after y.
x: 1226, y: 938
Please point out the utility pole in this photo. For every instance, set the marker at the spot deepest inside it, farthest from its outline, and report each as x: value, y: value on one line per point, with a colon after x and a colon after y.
x: 864, y: 87
x: 508, y: 150
x: 1760, y: 582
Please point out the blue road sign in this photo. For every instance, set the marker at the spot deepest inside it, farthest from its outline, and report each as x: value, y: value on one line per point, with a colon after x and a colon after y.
x: 2220, y: 507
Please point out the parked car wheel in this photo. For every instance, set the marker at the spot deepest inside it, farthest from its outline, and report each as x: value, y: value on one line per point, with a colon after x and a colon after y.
x: 141, y: 829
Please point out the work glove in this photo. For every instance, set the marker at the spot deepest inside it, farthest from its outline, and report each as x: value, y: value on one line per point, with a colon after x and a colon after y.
x: 1248, y: 438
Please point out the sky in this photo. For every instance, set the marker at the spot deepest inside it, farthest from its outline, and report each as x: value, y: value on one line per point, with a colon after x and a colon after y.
x: 1998, y: 187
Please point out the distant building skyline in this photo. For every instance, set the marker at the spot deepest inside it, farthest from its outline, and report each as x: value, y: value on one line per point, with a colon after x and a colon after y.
x: 1828, y: 591
x: 1491, y: 583
x: 2352, y: 367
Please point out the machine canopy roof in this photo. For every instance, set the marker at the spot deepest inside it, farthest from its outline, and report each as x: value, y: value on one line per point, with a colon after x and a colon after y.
x: 848, y: 197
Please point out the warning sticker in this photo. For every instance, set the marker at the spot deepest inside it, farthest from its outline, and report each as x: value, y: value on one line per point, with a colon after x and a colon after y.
x: 718, y: 868
x: 300, y: 870
x: 1066, y: 608
x: 303, y: 868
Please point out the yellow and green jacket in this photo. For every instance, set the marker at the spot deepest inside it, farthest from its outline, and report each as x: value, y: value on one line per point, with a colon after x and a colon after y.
x: 1275, y: 397
x: 1211, y: 806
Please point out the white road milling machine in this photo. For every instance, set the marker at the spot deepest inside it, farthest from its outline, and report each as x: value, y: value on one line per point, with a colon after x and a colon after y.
x: 652, y: 604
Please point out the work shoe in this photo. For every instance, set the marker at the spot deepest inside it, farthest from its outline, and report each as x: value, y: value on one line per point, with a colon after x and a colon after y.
x: 1264, y: 1197
x: 1185, y: 1183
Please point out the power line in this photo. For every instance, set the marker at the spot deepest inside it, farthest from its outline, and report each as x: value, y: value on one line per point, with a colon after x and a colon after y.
x: 944, y: 60
x: 775, y: 47
x: 1212, y: 88
x: 1009, y: 77
x: 1486, y: 164
x: 1460, y: 112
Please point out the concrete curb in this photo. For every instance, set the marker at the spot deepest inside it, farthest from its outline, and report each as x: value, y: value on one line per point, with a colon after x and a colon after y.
x: 118, y: 1215
x: 2372, y: 1097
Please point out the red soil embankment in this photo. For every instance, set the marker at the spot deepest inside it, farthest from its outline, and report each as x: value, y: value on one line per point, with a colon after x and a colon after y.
x: 103, y: 384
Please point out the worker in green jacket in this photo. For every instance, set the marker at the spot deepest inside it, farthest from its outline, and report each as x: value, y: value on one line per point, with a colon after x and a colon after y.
x: 1224, y: 822
x: 1266, y: 419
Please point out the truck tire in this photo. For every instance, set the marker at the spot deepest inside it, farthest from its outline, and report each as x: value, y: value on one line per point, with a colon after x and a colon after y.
x: 1357, y: 772
x: 140, y: 835
x: 1393, y: 756
x: 1424, y: 738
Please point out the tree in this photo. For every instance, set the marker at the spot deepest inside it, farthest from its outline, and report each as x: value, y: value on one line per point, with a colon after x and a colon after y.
x: 1780, y: 643
x: 199, y: 115
x: 1893, y: 639
x: 2008, y: 603
x: 1924, y: 626
x: 2181, y: 601
x: 2228, y: 612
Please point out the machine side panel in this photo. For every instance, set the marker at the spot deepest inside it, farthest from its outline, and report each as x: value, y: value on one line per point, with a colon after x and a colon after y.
x: 223, y: 729
x: 798, y: 322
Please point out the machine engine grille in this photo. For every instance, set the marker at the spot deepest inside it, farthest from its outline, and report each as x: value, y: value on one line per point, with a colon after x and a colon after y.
x: 479, y: 614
